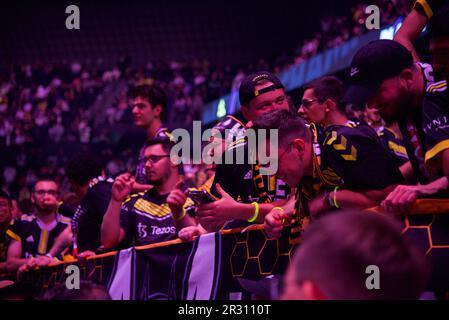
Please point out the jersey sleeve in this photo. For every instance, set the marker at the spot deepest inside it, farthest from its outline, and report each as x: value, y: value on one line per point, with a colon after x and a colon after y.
x: 126, y: 214
x: 98, y: 198
x: 231, y: 176
x: 360, y: 160
x: 13, y: 231
x: 435, y: 122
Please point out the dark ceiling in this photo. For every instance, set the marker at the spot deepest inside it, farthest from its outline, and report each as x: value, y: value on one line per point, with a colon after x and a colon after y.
x: 231, y: 32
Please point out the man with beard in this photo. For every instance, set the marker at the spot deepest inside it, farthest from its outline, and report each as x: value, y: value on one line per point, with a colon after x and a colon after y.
x: 151, y: 216
x: 32, y: 236
x: 384, y: 76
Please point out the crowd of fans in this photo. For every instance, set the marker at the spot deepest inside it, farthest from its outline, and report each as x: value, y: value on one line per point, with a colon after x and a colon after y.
x: 46, y: 110
x: 48, y: 122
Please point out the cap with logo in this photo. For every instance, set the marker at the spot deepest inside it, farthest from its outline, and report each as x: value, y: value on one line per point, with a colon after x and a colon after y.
x: 248, y: 92
x: 372, y: 64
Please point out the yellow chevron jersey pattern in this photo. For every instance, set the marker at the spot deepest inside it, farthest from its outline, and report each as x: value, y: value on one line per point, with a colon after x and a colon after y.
x: 146, y: 218
x: 340, y: 143
x: 148, y: 207
x: 357, y: 155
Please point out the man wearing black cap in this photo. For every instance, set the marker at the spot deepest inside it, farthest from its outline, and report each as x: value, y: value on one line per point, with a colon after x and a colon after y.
x: 384, y: 76
x: 259, y: 93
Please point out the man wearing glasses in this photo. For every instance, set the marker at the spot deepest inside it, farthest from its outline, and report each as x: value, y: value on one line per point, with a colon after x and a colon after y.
x: 32, y: 236
x: 155, y: 215
x: 321, y: 103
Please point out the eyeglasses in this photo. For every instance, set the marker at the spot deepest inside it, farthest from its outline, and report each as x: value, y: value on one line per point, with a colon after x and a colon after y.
x: 155, y: 158
x: 307, y: 103
x: 43, y: 192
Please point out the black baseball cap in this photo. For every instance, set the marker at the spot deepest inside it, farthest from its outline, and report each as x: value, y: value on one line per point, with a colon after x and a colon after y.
x: 248, y: 92
x: 372, y: 64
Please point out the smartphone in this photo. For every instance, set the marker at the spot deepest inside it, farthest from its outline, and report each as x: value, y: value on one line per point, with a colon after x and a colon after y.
x: 200, y: 196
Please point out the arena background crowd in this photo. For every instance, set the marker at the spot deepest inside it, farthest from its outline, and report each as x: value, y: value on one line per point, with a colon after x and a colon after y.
x: 86, y: 138
x: 49, y: 111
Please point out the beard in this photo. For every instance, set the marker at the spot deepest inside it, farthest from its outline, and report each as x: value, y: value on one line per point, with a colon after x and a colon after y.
x: 158, y: 177
x: 46, y: 208
x: 154, y: 181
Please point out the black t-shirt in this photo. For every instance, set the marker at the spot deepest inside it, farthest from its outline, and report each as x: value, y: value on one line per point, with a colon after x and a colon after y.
x: 350, y: 156
x: 86, y: 223
x: 394, y: 145
x: 426, y: 131
x: 146, y: 218
x: 243, y: 181
x: 435, y: 120
x: 355, y: 153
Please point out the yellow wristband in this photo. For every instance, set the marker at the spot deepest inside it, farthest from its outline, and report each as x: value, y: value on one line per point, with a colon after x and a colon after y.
x: 182, y: 216
x: 256, y: 212
x: 335, y: 197
x: 278, y: 208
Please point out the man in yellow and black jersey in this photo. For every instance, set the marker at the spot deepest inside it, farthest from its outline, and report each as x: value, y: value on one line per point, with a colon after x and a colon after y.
x: 389, y: 134
x: 152, y: 216
x: 384, y: 76
x: 392, y: 140
x: 329, y: 171
x: 33, y: 236
x: 242, y: 184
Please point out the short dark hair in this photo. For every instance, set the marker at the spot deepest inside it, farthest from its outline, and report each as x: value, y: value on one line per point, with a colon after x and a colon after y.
x: 83, y: 167
x: 155, y: 95
x: 6, y: 195
x: 337, y: 249
x: 45, y: 178
x: 289, y: 125
x: 328, y: 87
x: 166, y: 143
